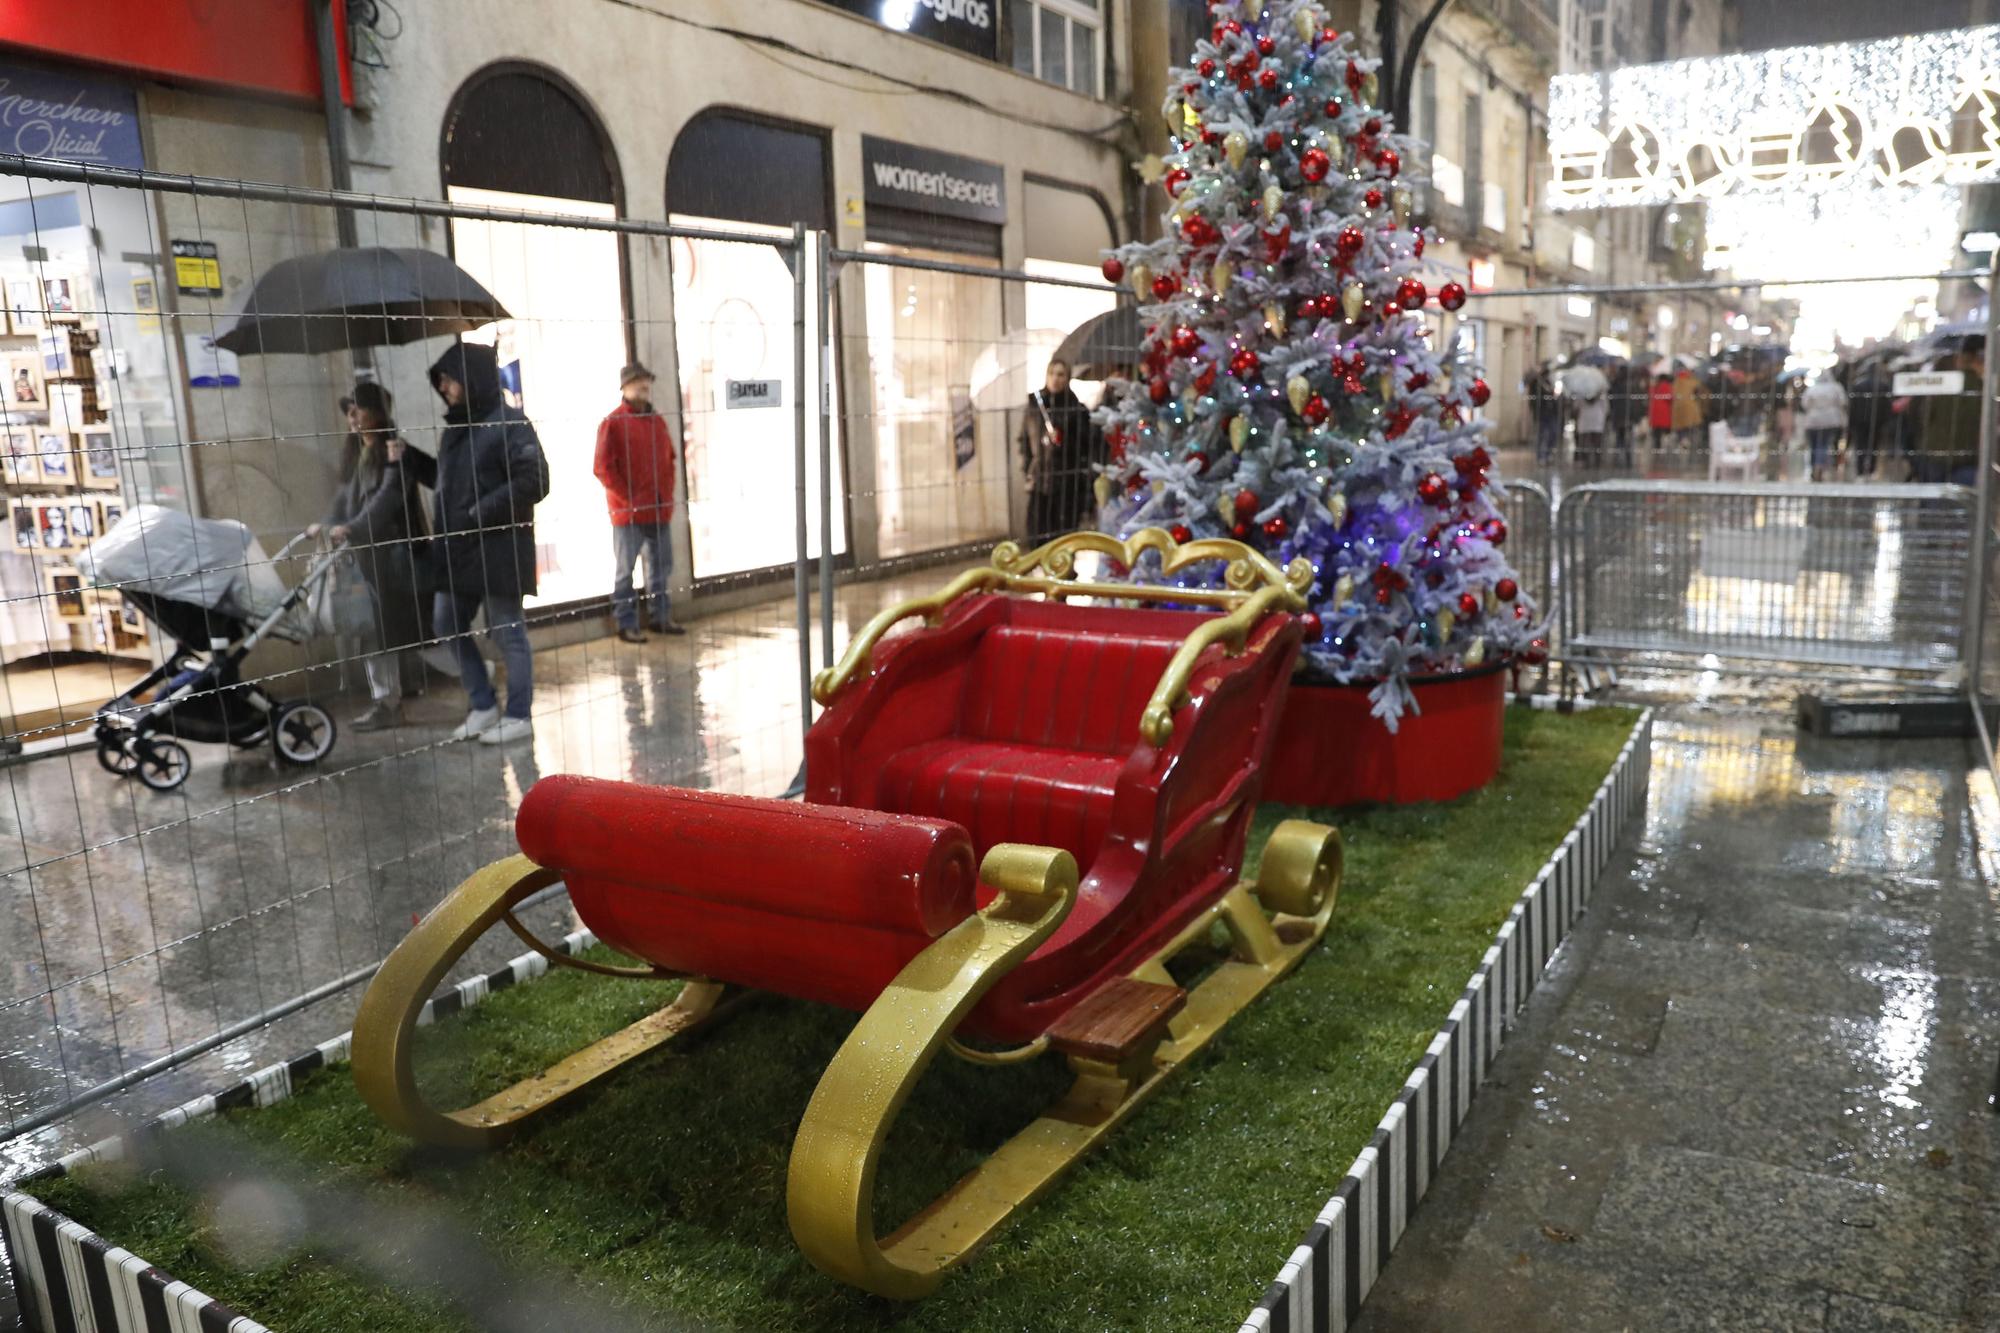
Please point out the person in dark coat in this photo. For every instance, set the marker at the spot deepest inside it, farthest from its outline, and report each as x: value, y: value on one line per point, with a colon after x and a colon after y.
x: 378, y: 512
x: 489, y: 474
x: 1059, y: 442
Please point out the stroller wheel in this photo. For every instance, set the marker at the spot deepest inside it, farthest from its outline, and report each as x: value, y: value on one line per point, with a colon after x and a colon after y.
x: 114, y: 757
x: 162, y: 765
x: 301, y: 733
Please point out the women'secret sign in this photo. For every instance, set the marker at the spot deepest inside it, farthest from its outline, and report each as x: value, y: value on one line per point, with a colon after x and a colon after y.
x: 75, y: 117
x: 923, y: 179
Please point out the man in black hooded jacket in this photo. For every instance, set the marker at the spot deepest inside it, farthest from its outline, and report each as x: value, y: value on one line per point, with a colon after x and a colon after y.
x: 489, y: 474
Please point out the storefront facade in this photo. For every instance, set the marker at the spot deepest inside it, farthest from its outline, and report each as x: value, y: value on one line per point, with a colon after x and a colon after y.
x: 911, y: 136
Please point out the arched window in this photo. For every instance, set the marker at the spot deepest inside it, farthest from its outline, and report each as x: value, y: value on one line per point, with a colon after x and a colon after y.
x: 519, y: 136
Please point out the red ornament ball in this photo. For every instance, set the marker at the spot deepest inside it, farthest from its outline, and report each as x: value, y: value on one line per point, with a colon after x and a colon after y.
x: 1205, y: 380
x: 1180, y: 533
x: 1273, y: 141
x: 1452, y: 295
x: 1465, y: 465
x: 1411, y: 294
x: 1506, y: 590
x: 1265, y: 46
x: 1176, y: 181
x: 1354, y: 78
x: 1390, y: 161
x: 1312, y: 625
x: 1494, y: 530
x: 1244, y: 364
x: 1390, y: 309
x: 1349, y: 242
x: 1315, y: 411
x: 1431, y: 489
x: 1468, y: 605
x: 1373, y: 125
x: 1200, y: 461
x: 1373, y: 199
x: 1246, y: 501
x: 1186, y: 341
x: 1332, y: 107
x: 1277, y: 241
x: 1114, y: 269
x: 1479, y: 393
x: 1268, y: 80
x: 1207, y: 69
x: 1276, y: 527
x: 1165, y: 286
x: 1240, y: 532
x: 1159, y: 390
x: 1314, y: 164
x: 1536, y: 653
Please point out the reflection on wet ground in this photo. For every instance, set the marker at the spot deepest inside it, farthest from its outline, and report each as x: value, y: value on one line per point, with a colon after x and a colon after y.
x: 1752, y: 1092
x: 135, y: 923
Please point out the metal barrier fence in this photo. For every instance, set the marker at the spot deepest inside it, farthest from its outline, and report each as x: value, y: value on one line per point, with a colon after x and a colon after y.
x: 1832, y: 579
x: 159, y: 938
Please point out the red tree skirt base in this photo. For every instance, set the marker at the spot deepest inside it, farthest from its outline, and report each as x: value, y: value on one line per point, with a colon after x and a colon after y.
x: 1332, y: 751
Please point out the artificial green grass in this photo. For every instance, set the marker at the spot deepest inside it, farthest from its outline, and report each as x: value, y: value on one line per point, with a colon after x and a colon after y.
x: 657, y: 1199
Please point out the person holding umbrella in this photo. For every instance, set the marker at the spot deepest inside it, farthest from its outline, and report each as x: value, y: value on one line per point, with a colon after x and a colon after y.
x: 1058, y: 445
x: 489, y: 474
x: 378, y: 512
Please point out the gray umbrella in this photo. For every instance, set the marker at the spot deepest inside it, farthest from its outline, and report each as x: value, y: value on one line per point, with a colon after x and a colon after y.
x: 1104, y: 345
x: 369, y: 296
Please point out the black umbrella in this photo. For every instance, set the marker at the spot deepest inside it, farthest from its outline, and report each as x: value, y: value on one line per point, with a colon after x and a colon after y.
x: 370, y: 296
x: 1104, y: 345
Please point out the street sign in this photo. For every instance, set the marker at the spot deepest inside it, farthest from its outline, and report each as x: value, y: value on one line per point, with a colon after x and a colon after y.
x: 1926, y: 383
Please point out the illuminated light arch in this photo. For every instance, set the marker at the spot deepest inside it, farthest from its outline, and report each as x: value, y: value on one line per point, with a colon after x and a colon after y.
x: 1903, y: 112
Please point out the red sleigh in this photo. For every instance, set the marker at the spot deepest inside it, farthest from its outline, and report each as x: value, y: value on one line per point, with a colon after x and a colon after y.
x: 1015, y: 816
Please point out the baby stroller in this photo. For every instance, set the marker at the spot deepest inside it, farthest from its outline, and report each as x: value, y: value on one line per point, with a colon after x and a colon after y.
x: 209, y: 588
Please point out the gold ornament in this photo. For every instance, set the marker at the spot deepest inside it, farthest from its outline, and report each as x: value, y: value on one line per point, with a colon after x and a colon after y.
x: 1152, y: 169
x: 1239, y: 434
x: 1476, y: 653
x: 1302, y: 19
x: 1142, y: 281
x: 1297, y: 389
x: 1386, y: 386
x: 1336, y: 508
x: 1235, y: 145
x: 1443, y: 383
x: 1219, y: 276
x: 1492, y: 602
x: 1343, y: 590
x: 1225, y: 509
x: 1274, y: 200
x: 1445, y: 620
x: 1371, y: 88
x: 1103, y: 488
x: 1160, y: 488
x: 1399, y: 200
x: 1190, y: 118
x: 1352, y: 298
x: 1274, y: 319
x: 1337, y: 150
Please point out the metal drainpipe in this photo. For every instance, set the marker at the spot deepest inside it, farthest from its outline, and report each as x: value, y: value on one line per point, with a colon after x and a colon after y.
x: 339, y: 165
x: 1976, y: 590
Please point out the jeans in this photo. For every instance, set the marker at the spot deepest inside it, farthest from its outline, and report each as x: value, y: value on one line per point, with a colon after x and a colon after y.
x: 1548, y: 436
x: 504, y: 625
x: 655, y: 542
x: 1820, y: 442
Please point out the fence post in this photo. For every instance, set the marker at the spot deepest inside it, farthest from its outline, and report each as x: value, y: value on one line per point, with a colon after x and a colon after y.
x: 1973, y: 642
x: 801, y: 563
x: 826, y: 369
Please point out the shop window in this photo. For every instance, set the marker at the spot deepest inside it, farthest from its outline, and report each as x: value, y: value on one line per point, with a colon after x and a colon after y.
x: 88, y: 428
x: 733, y: 324
x: 1060, y: 41
x: 515, y: 138
x: 942, y: 461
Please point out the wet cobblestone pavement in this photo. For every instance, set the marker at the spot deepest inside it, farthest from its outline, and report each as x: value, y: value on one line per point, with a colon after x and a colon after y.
x: 1752, y: 1092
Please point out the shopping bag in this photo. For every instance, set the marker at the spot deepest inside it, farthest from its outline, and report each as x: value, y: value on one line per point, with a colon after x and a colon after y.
x: 343, y: 603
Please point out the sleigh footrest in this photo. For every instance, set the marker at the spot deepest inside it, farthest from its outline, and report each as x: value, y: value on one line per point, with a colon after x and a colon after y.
x: 1122, y: 1017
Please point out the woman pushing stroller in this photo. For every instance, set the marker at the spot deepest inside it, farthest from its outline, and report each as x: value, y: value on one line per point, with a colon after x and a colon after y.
x: 378, y: 514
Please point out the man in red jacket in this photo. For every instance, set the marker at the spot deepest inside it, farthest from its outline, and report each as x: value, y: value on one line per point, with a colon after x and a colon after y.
x: 635, y: 461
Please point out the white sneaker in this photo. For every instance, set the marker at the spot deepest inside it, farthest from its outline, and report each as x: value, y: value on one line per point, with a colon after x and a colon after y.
x: 477, y: 723
x: 507, y: 729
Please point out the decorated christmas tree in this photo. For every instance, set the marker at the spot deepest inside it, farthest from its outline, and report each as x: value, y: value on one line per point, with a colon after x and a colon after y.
x: 1289, y: 394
